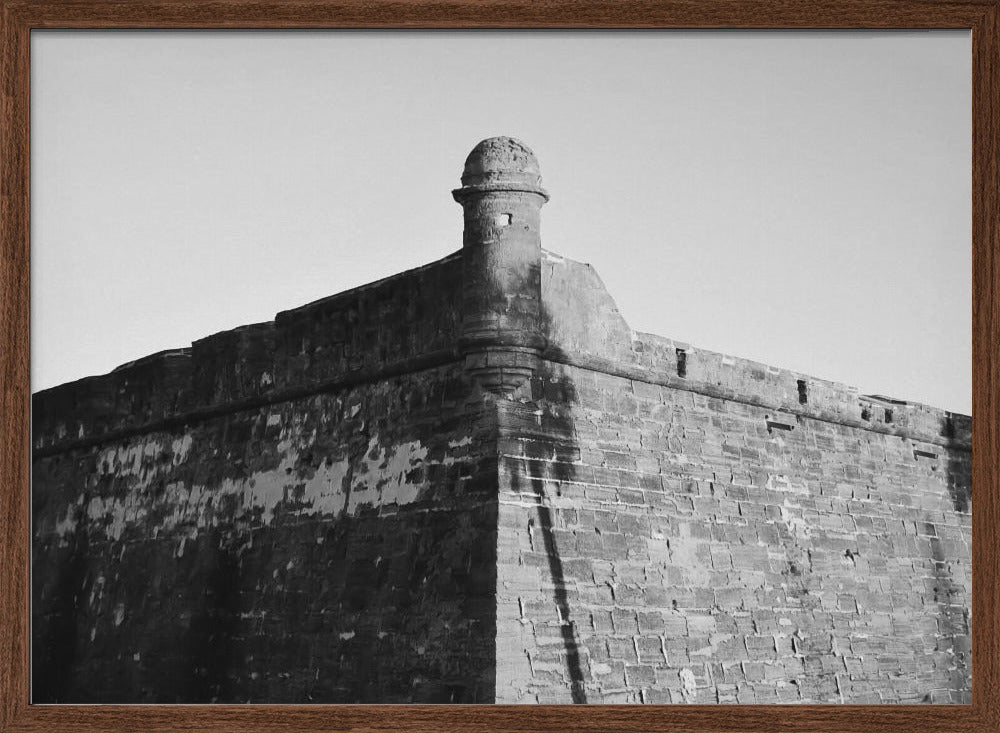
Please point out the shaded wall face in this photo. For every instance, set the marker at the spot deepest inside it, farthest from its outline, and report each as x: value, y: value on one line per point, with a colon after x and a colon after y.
x: 661, y: 546
x: 335, y: 548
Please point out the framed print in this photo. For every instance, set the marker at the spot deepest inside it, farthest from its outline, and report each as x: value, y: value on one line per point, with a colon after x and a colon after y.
x: 423, y: 366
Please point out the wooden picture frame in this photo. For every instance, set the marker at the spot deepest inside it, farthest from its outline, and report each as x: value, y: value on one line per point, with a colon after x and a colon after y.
x: 19, y: 17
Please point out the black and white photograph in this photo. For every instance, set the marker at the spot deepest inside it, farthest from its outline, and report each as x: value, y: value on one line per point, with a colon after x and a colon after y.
x: 513, y: 367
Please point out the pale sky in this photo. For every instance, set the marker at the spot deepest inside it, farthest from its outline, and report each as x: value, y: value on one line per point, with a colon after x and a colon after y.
x: 798, y: 198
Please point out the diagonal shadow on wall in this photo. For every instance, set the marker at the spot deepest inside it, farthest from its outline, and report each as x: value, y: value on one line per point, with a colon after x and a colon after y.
x: 550, y: 448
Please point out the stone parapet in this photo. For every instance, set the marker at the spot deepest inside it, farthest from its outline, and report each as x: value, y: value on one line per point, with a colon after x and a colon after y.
x: 402, y: 323
x: 585, y: 329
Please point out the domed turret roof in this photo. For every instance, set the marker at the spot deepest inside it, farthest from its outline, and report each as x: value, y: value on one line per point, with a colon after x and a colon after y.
x: 501, y: 164
x: 501, y: 155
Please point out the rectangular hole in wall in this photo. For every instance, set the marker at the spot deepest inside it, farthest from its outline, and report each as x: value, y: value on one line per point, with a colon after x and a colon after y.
x: 923, y: 454
x: 888, y: 416
x: 681, y: 363
x: 803, y: 396
x: 780, y: 421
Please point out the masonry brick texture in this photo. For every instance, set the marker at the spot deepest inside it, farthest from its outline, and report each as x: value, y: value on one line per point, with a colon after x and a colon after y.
x: 423, y: 490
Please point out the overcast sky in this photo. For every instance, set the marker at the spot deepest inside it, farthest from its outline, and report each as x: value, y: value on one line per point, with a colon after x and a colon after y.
x: 801, y: 199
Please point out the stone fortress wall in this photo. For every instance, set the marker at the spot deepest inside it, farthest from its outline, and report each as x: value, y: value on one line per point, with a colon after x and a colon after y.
x: 724, y: 531
x: 296, y: 511
x: 473, y: 482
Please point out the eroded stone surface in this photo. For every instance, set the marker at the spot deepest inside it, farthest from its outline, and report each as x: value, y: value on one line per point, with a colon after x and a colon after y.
x: 324, y: 549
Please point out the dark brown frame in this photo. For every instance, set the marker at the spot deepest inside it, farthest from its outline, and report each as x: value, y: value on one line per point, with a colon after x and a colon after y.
x: 20, y: 16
